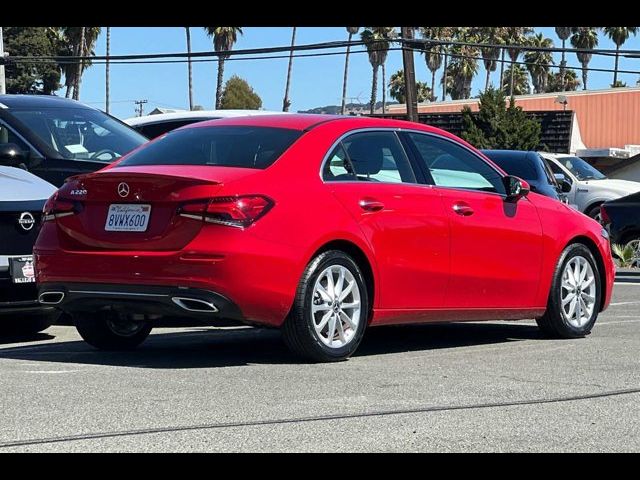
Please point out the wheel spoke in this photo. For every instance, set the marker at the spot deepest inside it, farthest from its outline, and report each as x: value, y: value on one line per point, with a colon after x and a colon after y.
x: 345, y: 293
x: 340, y: 284
x: 586, y: 296
x: 320, y: 308
x: 331, y: 288
x: 324, y: 321
x: 331, y: 332
x: 323, y: 293
x: 568, y: 298
x: 345, y: 318
x: 341, y: 336
x: 572, y: 308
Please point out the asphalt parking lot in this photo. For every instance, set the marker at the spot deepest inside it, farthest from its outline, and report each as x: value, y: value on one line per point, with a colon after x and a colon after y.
x: 495, y: 386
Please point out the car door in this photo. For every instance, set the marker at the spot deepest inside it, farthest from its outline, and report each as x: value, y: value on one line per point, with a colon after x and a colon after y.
x: 403, y: 221
x: 496, y: 246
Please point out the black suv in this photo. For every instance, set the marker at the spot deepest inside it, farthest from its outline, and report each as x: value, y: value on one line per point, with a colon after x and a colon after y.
x: 58, y: 137
x: 530, y: 166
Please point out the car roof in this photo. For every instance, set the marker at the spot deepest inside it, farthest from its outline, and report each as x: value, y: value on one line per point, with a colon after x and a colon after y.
x: 196, y: 115
x: 504, y: 153
x: 39, y: 101
x: 307, y: 121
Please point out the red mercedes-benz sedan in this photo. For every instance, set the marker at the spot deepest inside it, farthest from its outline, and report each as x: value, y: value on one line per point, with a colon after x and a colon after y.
x: 319, y: 225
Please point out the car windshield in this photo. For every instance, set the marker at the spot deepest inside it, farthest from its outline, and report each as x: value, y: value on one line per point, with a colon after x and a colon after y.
x: 81, y: 133
x: 581, y: 169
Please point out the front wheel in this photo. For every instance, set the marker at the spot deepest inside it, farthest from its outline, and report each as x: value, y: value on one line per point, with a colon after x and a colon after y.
x: 111, y: 332
x: 330, y: 311
x: 574, y: 299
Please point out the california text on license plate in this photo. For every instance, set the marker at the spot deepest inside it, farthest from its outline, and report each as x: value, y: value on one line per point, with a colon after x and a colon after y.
x: 127, y: 218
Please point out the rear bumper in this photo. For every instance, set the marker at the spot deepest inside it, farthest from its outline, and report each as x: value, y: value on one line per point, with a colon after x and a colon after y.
x: 199, y: 305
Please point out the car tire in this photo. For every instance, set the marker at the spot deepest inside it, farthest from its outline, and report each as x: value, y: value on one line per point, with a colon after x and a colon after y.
x: 594, y: 213
x: 32, y: 323
x: 316, y: 328
x: 564, y: 317
x: 111, y: 332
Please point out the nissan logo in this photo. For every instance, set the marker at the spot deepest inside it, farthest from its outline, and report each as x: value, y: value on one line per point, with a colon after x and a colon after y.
x: 123, y: 189
x: 26, y: 221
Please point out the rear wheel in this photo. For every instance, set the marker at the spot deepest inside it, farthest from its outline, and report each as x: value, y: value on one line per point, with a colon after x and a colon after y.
x: 330, y: 311
x: 633, y: 242
x: 111, y: 332
x: 594, y: 213
x: 574, y: 299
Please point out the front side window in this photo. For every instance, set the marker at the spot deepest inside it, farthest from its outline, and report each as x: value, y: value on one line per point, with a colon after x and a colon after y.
x: 228, y: 146
x: 453, y: 166
x: 557, y: 170
x: 80, y: 133
x: 378, y: 157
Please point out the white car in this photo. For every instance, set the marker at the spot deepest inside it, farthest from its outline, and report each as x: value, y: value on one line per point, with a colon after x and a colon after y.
x: 152, y: 126
x: 22, y: 196
x: 590, y: 188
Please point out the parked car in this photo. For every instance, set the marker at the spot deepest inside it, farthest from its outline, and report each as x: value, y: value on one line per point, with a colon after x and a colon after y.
x: 58, y: 137
x: 529, y: 166
x: 152, y: 126
x: 22, y: 196
x: 621, y: 217
x: 588, y: 188
x: 319, y: 225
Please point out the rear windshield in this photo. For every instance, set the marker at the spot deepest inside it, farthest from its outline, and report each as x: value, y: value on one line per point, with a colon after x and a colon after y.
x: 231, y: 146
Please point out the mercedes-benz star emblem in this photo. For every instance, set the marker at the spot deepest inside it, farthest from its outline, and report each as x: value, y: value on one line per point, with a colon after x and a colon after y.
x: 123, y: 189
x: 26, y: 221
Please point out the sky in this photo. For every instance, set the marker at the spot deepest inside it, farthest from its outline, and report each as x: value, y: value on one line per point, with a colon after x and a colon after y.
x: 315, y: 81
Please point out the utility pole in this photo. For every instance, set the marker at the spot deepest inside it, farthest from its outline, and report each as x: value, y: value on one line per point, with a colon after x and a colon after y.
x: 409, y: 75
x: 140, y: 106
x: 3, y: 88
x: 107, y: 70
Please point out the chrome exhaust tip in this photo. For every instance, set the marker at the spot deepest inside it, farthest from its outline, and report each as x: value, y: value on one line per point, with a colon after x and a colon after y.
x: 51, y: 298
x: 194, y: 304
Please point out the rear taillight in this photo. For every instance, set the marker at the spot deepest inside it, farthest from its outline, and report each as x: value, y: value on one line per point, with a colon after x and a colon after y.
x: 604, y: 216
x: 237, y: 211
x: 57, y: 207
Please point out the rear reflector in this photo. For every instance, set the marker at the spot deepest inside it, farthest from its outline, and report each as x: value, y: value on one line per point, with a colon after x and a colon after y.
x: 234, y: 211
x: 57, y: 207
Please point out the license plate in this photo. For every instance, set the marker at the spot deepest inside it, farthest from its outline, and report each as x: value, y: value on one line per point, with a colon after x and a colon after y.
x: 21, y: 269
x: 127, y: 218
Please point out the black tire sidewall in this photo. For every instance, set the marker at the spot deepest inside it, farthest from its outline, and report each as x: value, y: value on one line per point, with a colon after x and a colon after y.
x: 570, y: 252
x: 316, y: 267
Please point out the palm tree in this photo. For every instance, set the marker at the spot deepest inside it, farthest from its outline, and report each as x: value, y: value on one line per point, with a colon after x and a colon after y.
x: 189, y: 67
x: 538, y: 62
x: 448, y: 33
x: 515, y: 37
x: 490, y: 55
x: 619, y: 35
x: 518, y: 83
x: 352, y: 31
x: 376, y: 39
x: 223, y: 40
x: 563, y: 34
x: 585, y: 38
x: 81, y: 42
x: 286, y: 103
x: 106, y: 75
x: 397, y: 90
x: 433, y: 53
x: 463, y: 66
x: 567, y: 81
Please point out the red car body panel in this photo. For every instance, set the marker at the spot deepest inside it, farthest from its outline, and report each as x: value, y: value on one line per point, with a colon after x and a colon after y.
x: 427, y: 263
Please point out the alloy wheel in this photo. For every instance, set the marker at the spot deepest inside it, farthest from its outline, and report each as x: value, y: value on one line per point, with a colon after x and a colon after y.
x: 578, y: 292
x: 335, y: 307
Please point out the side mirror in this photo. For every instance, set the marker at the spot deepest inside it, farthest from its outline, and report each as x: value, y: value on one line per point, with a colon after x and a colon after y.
x: 516, y: 188
x: 565, y: 185
x: 11, y: 155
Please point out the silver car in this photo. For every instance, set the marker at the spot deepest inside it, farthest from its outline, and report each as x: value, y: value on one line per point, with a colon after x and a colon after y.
x: 589, y: 188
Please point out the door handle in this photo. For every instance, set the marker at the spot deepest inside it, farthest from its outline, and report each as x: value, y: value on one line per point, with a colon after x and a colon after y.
x: 463, y: 209
x: 371, y: 205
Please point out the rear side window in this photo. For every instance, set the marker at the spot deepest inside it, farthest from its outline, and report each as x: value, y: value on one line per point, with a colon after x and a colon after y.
x: 230, y: 146
x: 154, y: 130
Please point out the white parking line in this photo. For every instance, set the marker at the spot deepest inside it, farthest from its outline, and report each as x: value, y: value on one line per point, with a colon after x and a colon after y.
x: 626, y: 283
x: 623, y: 303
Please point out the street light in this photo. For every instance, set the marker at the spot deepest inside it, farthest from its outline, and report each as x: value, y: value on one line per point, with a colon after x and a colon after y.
x: 562, y: 99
